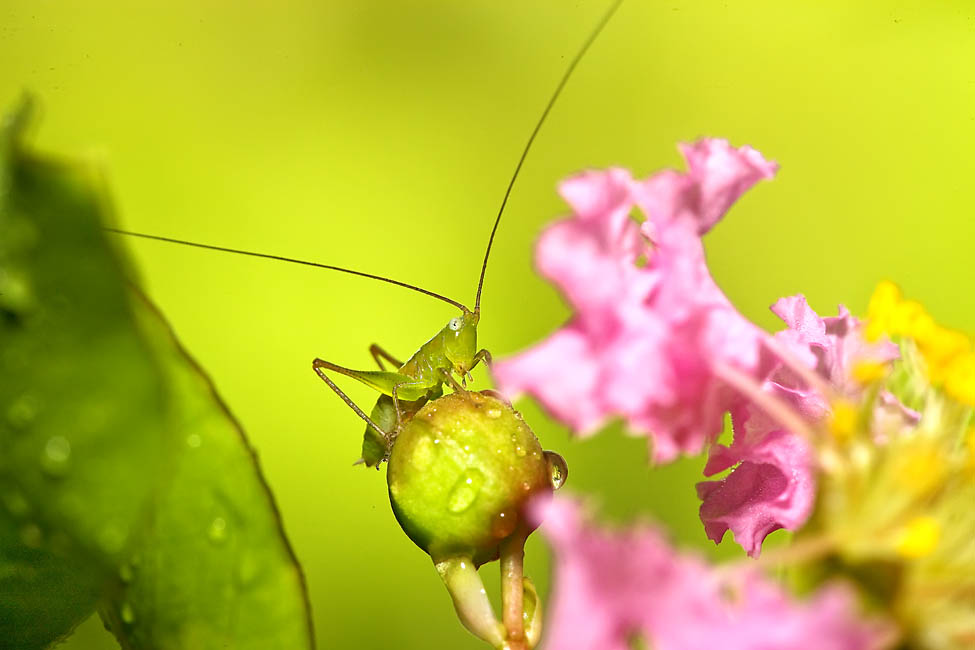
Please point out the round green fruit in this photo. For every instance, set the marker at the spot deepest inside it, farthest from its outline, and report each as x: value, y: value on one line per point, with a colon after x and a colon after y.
x: 462, y: 470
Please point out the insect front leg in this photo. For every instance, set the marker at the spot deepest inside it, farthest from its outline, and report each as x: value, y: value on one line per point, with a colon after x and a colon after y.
x: 408, y: 385
x: 481, y: 355
x: 378, y: 354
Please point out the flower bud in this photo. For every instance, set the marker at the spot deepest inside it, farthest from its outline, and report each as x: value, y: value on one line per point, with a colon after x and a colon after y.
x: 461, y: 471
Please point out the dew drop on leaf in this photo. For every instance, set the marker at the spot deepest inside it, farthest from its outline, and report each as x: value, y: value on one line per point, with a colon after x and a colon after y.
x: 31, y: 535
x: 247, y: 570
x: 111, y: 538
x: 125, y: 573
x: 56, y: 456
x: 22, y: 412
x: 15, y: 503
x: 217, y: 532
x: 127, y: 613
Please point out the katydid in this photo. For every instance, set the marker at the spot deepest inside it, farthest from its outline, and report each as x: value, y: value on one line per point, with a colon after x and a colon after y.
x: 449, y: 355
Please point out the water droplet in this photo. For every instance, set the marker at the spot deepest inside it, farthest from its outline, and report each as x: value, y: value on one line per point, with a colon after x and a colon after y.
x: 424, y: 452
x: 125, y: 573
x: 558, y: 470
x: 111, y: 538
x: 247, y: 570
x: 520, y: 451
x: 465, y: 491
x: 15, y: 503
x: 22, y: 412
x: 494, y: 414
x: 218, y: 530
x: 127, y: 613
x: 503, y: 525
x: 56, y: 456
x: 526, y: 486
x: 193, y: 441
x: 31, y: 535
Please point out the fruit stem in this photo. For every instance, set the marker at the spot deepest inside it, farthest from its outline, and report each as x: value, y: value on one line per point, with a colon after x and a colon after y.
x: 470, y: 599
x: 512, y: 588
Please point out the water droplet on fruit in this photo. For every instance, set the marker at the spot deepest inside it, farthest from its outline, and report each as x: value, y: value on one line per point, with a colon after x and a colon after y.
x: 424, y: 452
x: 494, y: 414
x: 558, y: 470
x: 56, y: 456
x: 465, y: 491
x: 520, y: 451
x: 503, y: 525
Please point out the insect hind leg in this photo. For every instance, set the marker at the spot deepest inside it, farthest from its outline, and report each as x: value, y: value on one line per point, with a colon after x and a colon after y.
x: 378, y: 354
x: 319, y: 366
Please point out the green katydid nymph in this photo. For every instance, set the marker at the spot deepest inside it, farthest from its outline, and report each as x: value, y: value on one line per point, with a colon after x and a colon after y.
x: 464, y: 466
x: 448, y: 356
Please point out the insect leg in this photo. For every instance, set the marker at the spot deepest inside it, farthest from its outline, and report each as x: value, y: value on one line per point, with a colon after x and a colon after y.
x: 318, y: 365
x: 483, y: 355
x: 394, y: 393
x: 448, y: 378
x: 378, y: 354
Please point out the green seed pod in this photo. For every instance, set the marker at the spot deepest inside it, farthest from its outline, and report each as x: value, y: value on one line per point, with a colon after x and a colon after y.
x: 461, y: 471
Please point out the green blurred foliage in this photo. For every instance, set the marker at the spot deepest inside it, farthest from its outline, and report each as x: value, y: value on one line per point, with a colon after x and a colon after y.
x: 82, y: 437
x: 380, y: 135
x: 124, y: 481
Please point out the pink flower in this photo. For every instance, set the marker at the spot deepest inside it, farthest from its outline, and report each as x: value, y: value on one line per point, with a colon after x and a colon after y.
x: 612, y: 586
x: 645, y: 337
x: 773, y: 482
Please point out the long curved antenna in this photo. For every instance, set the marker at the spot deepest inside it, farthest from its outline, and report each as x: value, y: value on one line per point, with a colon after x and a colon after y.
x: 279, y: 258
x: 531, y: 139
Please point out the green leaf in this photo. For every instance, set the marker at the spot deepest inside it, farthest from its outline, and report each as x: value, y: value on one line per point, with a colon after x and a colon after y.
x: 125, y: 483
x: 43, y: 594
x: 81, y: 397
x: 216, y: 569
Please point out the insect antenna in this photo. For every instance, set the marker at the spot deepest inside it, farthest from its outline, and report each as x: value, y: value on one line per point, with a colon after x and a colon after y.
x: 524, y: 154
x: 291, y: 260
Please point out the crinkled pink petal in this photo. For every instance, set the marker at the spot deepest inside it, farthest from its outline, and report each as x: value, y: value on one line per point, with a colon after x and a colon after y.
x: 653, y: 333
x: 773, y: 483
x: 772, y: 487
x: 611, y: 586
x: 717, y: 175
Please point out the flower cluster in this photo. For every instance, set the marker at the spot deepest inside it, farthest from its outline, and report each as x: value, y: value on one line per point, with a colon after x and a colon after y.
x: 846, y: 431
x: 617, y: 586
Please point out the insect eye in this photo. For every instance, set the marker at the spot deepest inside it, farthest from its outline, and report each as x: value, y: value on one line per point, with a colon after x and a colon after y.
x: 455, y: 324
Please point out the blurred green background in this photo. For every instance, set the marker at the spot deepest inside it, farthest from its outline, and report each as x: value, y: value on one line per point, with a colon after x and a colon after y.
x: 380, y: 136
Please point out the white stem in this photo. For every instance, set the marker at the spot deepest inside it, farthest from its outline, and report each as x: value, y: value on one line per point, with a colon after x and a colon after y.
x: 470, y: 599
